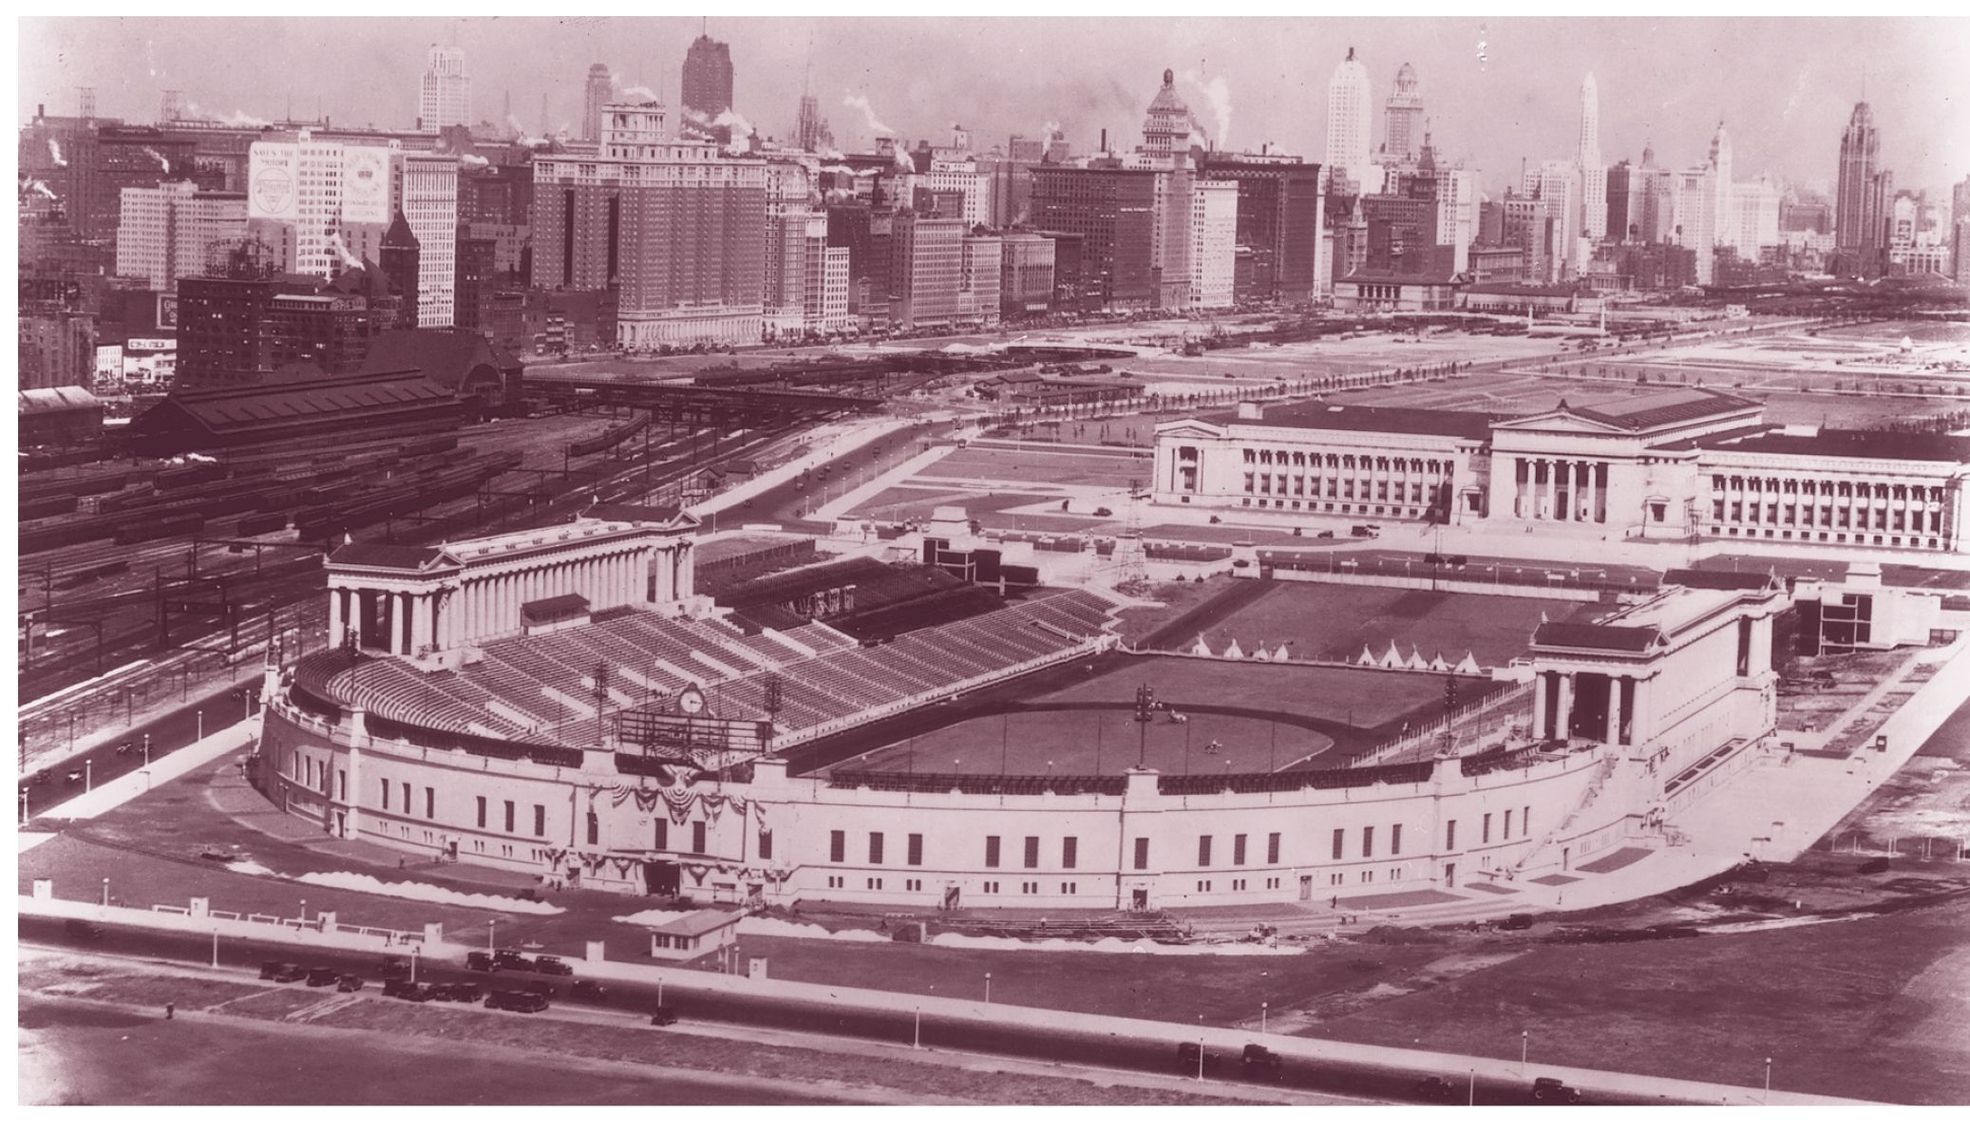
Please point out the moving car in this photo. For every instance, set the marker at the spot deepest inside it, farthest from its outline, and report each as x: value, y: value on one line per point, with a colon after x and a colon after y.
x: 1262, y: 1063
x: 520, y: 1002
x: 1188, y: 1054
x: 1552, y: 1090
x: 549, y: 965
x: 286, y: 973
x: 664, y: 1016
x: 587, y: 990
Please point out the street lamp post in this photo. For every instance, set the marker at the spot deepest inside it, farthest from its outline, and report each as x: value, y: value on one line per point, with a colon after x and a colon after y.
x: 1525, y: 1044
x: 988, y: 988
x: 215, y: 947
x: 201, y: 723
x: 916, y: 1032
x: 105, y: 892
x: 88, y: 775
x: 146, y: 748
x: 1200, y: 1048
x: 489, y: 934
x: 1768, y: 1080
x: 304, y: 913
x: 1473, y: 1095
x: 1263, y: 1007
x: 413, y: 964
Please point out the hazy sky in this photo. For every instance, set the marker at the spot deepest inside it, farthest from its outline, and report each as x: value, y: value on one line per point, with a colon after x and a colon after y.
x: 1784, y: 88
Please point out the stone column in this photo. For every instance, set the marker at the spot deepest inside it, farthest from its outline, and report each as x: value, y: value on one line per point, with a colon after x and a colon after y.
x: 337, y: 599
x: 1561, y: 728
x: 1539, y: 696
x: 1613, y: 733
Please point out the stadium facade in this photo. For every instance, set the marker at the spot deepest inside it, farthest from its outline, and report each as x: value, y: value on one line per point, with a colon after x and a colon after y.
x: 1678, y: 464
x: 635, y: 737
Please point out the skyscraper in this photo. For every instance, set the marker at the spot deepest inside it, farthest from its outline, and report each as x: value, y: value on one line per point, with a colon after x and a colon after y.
x: 444, y: 96
x: 1593, y: 171
x: 600, y: 91
x: 1403, y: 117
x: 1168, y: 126
x: 1348, y: 115
x: 707, y: 83
x: 174, y: 231
x: 1858, y: 208
x: 810, y: 130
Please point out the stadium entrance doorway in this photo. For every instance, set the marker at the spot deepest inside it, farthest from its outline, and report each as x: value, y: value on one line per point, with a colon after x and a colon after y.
x: 662, y: 878
x: 1306, y: 888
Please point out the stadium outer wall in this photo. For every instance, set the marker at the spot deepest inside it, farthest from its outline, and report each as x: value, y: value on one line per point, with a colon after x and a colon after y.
x: 776, y: 840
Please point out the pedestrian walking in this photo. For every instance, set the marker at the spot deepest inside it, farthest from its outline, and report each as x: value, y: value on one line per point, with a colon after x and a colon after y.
x: 170, y: 1011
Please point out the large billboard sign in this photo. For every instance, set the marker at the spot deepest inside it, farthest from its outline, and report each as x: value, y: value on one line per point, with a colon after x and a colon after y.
x: 703, y: 741
x: 272, y: 191
x: 366, y: 185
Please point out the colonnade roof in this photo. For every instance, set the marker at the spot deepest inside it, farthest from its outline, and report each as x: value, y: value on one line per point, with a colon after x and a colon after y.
x: 1363, y: 418
x: 1852, y: 444
x: 1646, y: 412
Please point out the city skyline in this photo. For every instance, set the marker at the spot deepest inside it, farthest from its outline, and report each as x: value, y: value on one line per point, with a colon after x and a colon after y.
x: 1250, y: 82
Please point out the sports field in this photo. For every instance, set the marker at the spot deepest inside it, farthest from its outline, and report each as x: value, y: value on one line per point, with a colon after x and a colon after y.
x: 1364, y: 698
x: 1025, y: 465
x: 1099, y: 740
x: 1319, y: 621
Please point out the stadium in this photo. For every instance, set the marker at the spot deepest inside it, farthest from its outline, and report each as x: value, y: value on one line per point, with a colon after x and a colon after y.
x: 928, y: 722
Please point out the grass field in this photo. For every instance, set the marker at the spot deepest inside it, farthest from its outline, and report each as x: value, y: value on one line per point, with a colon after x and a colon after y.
x: 1095, y: 740
x: 1367, y: 698
x: 1070, y: 469
x: 1872, y: 1008
x: 1332, y: 622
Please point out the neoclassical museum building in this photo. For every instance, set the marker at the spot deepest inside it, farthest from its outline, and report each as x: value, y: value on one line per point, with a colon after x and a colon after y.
x: 1670, y: 464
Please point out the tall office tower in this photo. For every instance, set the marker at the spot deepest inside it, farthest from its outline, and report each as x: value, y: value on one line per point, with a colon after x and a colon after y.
x: 444, y: 95
x: 678, y: 228
x: 1656, y: 194
x: 1456, y: 223
x: 1695, y: 196
x: 1959, y: 200
x: 174, y: 231
x: 808, y: 125
x: 1557, y: 184
x: 426, y: 194
x: 1859, y: 207
x: 1213, y: 243
x: 1623, y: 201
x: 979, y: 279
x: 1402, y: 117
x: 1117, y: 213
x: 1169, y: 126
x: 600, y: 91
x: 1348, y: 114
x: 1593, y: 171
x: 1960, y: 250
x: 1279, y: 223
x: 1723, y: 210
x: 707, y: 85
x: 926, y: 266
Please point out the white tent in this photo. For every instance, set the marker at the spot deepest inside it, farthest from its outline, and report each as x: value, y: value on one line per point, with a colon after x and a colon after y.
x: 1200, y: 648
x: 1234, y: 652
x: 1393, y: 657
x: 1260, y: 653
x: 1367, y: 657
x: 1416, y: 660
x: 1468, y: 666
x: 1280, y: 653
x: 1438, y: 664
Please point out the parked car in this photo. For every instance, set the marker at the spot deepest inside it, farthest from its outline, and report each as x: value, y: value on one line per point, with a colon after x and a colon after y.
x: 520, y: 1002
x: 393, y: 969
x: 511, y: 961
x: 324, y: 977
x: 587, y: 990
x: 479, y: 961
x: 1552, y: 1090
x: 271, y: 968
x: 349, y: 984
x: 461, y: 992
x: 409, y: 991
x: 288, y: 973
x: 549, y: 965
x: 541, y: 987
x: 664, y: 1016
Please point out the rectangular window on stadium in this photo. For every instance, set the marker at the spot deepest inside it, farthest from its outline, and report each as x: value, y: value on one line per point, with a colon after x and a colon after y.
x: 1395, y: 839
x: 1368, y: 841
x: 482, y: 811
x: 1271, y: 848
x: 406, y: 797
x: 594, y: 828
x: 342, y: 784
x: 1238, y: 849
x: 1204, y: 851
x: 386, y: 793
x: 1450, y: 836
x: 916, y: 849
x: 875, y: 848
x: 1069, y: 852
x: 509, y: 817
x: 1525, y: 822
x: 430, y: 802
x: 1485, y: 837
x: 1340, y: 848
x: 765, y: 844
x: 837, y: 845
x: 697, y: 837
x: 540, y: 821
x: 662, y: 841
x: 1142, y: 852
x: 1032, y: 852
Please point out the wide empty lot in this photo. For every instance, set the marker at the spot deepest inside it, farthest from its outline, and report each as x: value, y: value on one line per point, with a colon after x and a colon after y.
x: 1316, y: 620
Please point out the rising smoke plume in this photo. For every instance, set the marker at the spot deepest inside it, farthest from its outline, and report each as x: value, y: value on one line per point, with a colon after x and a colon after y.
x: 1218, y: 93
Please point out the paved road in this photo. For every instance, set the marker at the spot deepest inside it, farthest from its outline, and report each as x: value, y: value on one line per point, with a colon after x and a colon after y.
x: 59, y: 781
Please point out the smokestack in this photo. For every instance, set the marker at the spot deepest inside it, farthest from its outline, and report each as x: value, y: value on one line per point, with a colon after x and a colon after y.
x: 1104, y: 139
